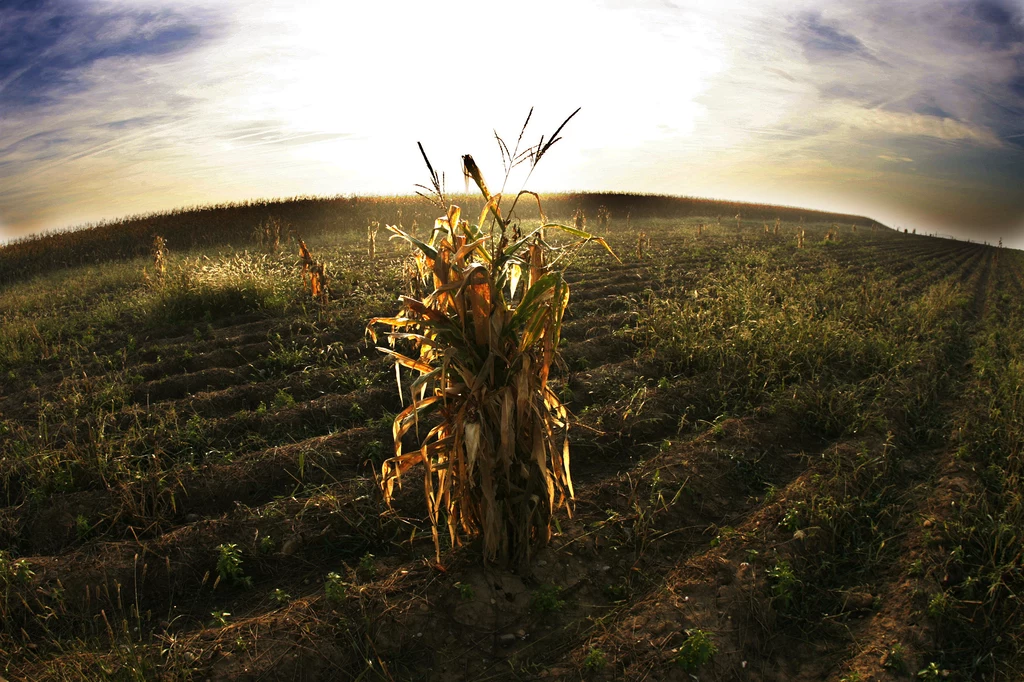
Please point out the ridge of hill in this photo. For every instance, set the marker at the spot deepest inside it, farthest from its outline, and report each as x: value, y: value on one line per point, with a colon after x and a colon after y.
x: 235, y: 224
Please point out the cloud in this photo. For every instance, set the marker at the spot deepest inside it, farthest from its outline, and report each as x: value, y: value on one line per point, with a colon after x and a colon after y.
x: 895, y: 123
x: 121, y: 106
x: 45, y: 46
x: 822, y: 41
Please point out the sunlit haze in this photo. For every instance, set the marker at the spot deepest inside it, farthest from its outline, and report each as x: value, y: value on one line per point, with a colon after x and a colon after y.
x: 911, y: 113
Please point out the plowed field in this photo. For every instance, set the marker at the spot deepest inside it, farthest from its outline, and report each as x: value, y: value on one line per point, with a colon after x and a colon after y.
x: 790, y: 464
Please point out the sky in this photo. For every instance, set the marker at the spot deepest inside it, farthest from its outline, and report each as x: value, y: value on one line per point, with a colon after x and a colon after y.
x: 909, y: 112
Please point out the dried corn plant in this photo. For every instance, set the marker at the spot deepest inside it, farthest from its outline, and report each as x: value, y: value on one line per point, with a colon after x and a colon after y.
x: 371, y: 237
x: 492, y: 436
x: 766, y: 230
x: 700, y: 229
x: 159, y: 257
x: 800, y: 234
x: 778, y: 224
x: 604, y: 216
x: 643, y: 244
x: 269, y: 233
x: 579, y: 219
x: 314, y: 275
x: 831, y: 235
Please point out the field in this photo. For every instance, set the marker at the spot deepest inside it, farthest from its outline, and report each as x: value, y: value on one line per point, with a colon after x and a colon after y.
x: 790, y: 463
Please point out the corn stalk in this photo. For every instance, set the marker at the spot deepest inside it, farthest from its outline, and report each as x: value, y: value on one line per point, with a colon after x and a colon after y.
x: 371, y: 237
x: 159, y: 257
x: 314, y: 275
x: 495, y: 449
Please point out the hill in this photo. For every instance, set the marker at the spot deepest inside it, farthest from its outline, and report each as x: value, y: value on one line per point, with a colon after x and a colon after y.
x: 236, y: 224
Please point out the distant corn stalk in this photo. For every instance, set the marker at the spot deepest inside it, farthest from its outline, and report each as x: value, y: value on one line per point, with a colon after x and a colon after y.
x: 159, y: 257
x: 371, y: 238
x: 604, y: 216
x: 800, y: 234
x: 269, y: 233
x: 483, y: 340
x: 579, y: 219
x: 853, y: 226
x: 643, y: 244
x: 778, y: 224
x: 766, y: 230
x: 833, y: 232
x: 314, y: 275
x: 700, y: 229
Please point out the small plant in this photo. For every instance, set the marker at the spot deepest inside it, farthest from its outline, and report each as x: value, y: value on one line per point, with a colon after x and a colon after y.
x: 939, y: 605
x: 229, y: 565
x: 547, y: 599
x: 595, y: 659
x: 696, y: 651
x: 895, y: 659
x: 82, y: 527
x: 616, y: 592
x: 783, y: 584
x: 367, y: 567
x: 724, y: 533
x: 375, y: 452
x: 283, y: 399
x: 281, y: 597
x: 220, y: 618
x: 793, y: 519
x: 465, y: 591
x: 335, y: 588
x: 13, y: 571
x: 931, y: 672
x: 267, y: 545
